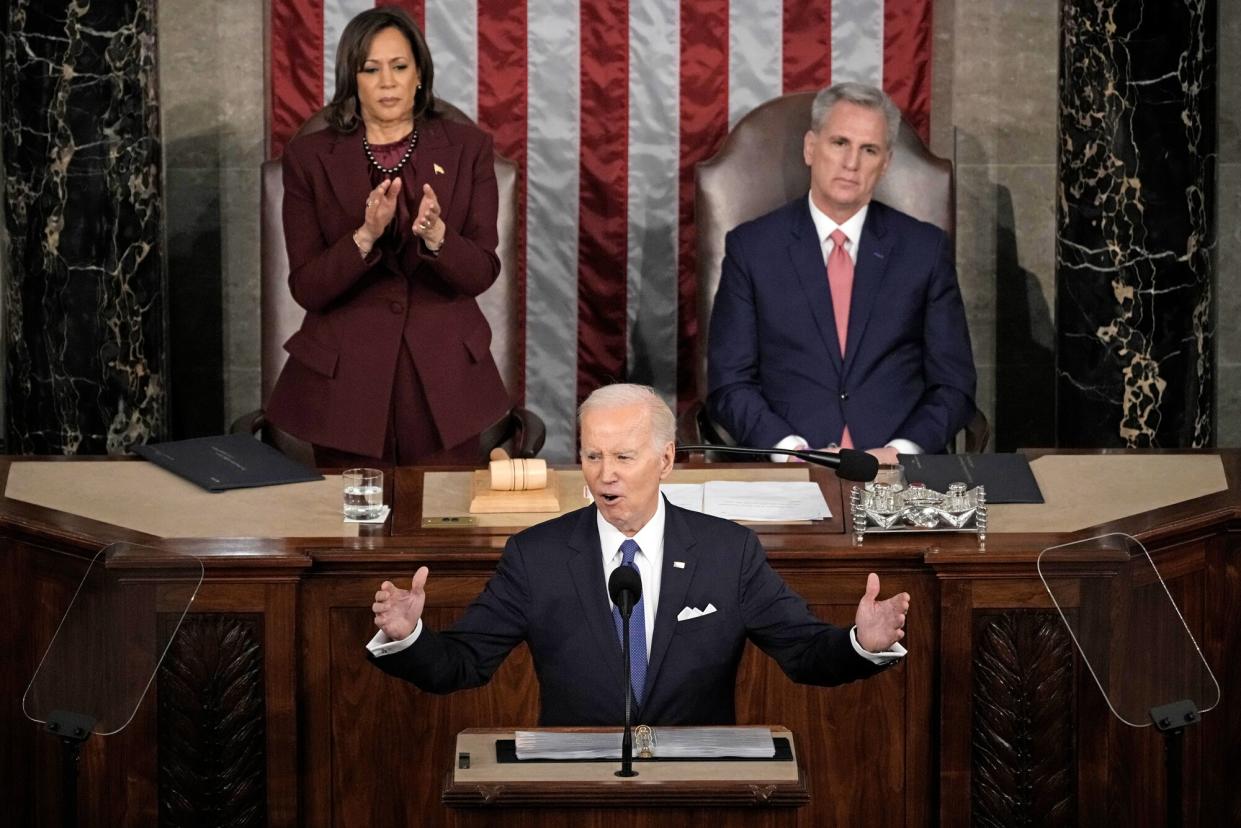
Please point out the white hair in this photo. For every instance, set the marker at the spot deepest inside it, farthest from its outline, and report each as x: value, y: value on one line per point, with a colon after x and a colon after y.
x: 619, y: 395
x: 862, y: 95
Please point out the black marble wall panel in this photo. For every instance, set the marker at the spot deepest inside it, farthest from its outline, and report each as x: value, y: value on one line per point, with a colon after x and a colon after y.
x: 85, y: 291
x: 1135, y: 223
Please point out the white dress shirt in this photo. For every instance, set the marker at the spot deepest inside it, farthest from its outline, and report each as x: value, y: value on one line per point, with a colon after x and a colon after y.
x: 649, y: 561
x: 824, y: 226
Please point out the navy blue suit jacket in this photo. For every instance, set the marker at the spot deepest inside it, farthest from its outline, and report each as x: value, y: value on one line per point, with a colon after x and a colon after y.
x: 549, y: 591
x: 773, y: 363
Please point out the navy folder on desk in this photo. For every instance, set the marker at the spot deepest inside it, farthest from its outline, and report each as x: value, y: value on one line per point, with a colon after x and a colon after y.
x: 227, y: 461
x: 1006, y: 477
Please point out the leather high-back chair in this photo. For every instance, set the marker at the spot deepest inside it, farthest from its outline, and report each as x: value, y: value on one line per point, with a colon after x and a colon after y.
x: 521, y: 433
x: 760, y: 167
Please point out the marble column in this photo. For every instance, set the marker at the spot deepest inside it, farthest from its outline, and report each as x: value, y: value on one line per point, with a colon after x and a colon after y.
x: 85, y: 287
x: 1135, y: 243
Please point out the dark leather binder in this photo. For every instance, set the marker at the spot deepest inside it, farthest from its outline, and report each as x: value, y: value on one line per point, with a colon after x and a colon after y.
x: 227, y: 461
x: 1007, y: 477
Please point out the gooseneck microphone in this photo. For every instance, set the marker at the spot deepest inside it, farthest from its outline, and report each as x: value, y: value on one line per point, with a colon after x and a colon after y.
x: 625, y: 588
x: 849, y: 464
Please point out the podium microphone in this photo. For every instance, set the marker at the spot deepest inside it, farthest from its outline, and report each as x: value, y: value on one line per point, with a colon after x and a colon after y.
x: 849, y: 464
x: 625, y: 588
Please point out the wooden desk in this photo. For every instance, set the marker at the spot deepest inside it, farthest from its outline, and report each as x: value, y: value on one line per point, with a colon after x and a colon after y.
x: 266, y: 704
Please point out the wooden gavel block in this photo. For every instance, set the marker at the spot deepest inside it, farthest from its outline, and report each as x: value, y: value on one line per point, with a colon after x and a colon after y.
x: 515, y: 486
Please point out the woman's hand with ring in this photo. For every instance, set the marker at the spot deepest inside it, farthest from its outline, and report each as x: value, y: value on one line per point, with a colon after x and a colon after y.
x: 428, y: 225
x: 380, y: 208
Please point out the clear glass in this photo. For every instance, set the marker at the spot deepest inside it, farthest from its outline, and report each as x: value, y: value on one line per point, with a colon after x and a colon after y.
x: 1127, y: 627
x: 893, y: 474
x: 363, y: 493
x: 113, y: 636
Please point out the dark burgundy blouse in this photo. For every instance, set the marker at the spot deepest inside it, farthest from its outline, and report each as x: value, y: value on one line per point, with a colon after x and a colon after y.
x: 400, y: 232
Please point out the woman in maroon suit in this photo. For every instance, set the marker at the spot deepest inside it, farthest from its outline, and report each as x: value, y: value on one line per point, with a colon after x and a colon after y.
x: 390, y: 222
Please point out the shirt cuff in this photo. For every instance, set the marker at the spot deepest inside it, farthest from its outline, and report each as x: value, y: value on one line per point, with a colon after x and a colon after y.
x: 886, y: 657
x: 381, y: 645
x: 905, y: 446
x: 793, y: 442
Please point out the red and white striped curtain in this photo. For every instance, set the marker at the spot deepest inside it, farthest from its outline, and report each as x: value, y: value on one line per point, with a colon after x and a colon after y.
x: 606, y: 106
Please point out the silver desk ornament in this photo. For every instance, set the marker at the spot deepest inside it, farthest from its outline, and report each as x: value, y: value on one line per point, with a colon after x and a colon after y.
x: 895, y: 507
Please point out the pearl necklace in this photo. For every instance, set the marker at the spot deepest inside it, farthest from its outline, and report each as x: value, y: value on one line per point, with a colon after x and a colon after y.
x: 390, y: 171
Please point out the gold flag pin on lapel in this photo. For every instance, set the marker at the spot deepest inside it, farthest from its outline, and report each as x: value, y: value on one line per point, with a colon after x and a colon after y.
x: 438, y: 169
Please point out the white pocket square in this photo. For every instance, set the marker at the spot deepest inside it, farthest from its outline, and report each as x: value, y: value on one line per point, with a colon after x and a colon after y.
x: 693, y: 612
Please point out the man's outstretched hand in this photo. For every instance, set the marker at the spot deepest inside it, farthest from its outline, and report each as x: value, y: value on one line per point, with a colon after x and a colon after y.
x: 397, y: 610
x: 880, y: 624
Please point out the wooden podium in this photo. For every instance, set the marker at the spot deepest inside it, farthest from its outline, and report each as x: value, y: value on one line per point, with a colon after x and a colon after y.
x: 718, y: 793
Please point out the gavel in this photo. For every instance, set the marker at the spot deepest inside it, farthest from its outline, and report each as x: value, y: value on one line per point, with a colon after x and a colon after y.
x: 509, y: 475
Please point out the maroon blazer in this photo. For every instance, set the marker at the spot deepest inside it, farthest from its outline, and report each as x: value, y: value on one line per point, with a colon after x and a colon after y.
x: 336, y: 388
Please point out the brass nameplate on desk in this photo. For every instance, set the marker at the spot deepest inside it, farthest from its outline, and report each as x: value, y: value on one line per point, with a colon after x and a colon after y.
x: 487, y: 500
x: 450, y: 522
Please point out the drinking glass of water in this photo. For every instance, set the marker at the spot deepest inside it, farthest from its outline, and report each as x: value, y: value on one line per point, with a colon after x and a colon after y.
x: 893, y: 474
x: 364, y: 493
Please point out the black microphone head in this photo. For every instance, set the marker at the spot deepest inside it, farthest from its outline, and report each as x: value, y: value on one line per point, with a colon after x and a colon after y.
x: 625, y: 579
x: 857, y: 465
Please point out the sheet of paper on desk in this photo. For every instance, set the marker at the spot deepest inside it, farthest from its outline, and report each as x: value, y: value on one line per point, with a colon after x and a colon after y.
x: 765, y: 501
x: 685, y: 495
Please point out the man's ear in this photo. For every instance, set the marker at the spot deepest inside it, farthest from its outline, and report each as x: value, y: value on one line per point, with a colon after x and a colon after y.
x: 667, y: 459
x: 887, y: 164
x: 807, y: 146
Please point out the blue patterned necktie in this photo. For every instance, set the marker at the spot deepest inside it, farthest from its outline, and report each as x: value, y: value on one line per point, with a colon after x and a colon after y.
x: 637, y: 629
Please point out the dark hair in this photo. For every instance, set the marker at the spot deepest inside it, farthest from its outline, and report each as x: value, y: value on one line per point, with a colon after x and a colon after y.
x: 343, y: 112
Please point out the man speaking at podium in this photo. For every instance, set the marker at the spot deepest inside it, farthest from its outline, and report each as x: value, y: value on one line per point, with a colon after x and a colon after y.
x: 707, y: 588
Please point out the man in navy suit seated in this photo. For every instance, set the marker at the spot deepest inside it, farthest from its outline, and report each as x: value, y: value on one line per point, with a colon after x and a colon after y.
x: 838, y: 320
x: 707, y: 588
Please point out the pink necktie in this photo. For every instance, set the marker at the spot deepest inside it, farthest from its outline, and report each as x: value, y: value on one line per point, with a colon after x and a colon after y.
x: 840, y: 280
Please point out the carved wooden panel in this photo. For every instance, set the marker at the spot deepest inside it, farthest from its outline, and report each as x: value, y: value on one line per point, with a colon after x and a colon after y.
x: 212, y: 753
x: 1023, y: 721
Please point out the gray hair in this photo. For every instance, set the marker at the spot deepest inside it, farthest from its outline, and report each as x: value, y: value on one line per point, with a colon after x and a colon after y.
x: 862, y: 95
x: 619, y: 395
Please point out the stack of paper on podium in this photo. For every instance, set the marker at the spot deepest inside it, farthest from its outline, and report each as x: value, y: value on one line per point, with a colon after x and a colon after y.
x: 667, y: 743
x: 755, y: 501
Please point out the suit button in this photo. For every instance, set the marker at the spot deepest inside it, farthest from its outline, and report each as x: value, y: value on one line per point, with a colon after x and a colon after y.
x: 396, y: 307
x: 844, y: 395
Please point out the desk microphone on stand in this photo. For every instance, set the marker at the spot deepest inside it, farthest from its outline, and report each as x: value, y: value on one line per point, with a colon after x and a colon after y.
x: 625, y: 587
x: 849, y: 464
